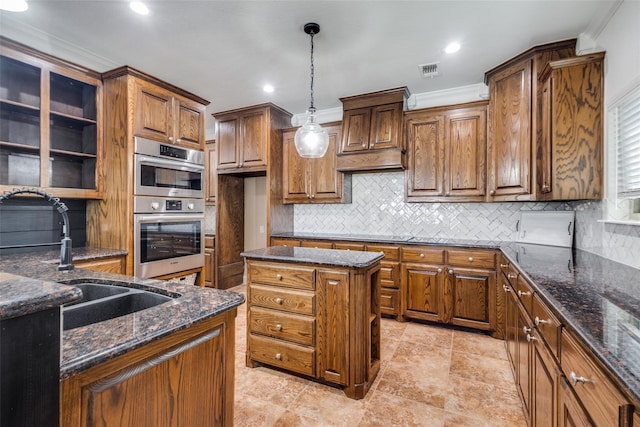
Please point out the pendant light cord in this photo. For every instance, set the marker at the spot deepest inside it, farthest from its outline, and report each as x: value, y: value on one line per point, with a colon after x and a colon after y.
x: 311, y: 107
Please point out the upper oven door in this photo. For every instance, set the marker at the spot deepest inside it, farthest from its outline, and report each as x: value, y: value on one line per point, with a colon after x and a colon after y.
x: 168, y: 178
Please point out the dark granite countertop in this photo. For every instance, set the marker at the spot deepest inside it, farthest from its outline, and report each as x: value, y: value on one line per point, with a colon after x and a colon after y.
x: 20, y: 296
x: 596, y: 298
x: 90, y: 345
x: 332, y: 257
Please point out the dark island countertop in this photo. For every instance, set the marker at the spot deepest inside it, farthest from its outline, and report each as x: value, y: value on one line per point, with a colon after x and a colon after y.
x: 594, y: 297
x: 331, y: 257
x: 90, y: 345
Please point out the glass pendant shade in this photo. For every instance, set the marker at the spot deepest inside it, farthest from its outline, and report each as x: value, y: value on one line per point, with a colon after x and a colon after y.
x: 311, y: 140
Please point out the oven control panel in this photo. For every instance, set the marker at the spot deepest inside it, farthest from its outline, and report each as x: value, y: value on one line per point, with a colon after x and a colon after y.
x: 146, y: 205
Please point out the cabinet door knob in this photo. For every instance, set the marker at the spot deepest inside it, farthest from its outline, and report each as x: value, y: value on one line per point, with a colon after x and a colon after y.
x: 523, y: 294
x: 538, y: 321
x: 506, y: 287
x: 470, y: 259
x: 531, y: 338
x: 278, y: 356
x: 279, y: 276
x: 240, y: 164
x: 278, y: 327
x: 439, y: 270
x: 450, y: 271
x: 170, y: 139
x: 492, y: 192
x: 504, y: 265
x: 575, y: 379
x: 421, y: 255
x: 512, y: 276
x: 278, y: 300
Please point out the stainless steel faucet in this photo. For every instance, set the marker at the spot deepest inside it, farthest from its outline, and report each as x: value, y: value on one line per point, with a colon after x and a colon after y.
x: 65, y: 248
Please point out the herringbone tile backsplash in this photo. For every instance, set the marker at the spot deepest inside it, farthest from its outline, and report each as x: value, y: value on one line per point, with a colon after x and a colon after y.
x: 378, y: 208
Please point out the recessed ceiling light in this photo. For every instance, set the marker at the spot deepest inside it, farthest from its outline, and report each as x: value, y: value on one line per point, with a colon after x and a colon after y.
x: 452, y: 47
x: 139, y: 7
x: 14, y: 5
x: 268, y: 88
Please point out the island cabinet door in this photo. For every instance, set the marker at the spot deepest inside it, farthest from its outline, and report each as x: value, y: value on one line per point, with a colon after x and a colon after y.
x: 333, y: 326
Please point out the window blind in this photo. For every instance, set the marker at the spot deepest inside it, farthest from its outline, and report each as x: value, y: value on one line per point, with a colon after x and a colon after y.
x: 627, y: 135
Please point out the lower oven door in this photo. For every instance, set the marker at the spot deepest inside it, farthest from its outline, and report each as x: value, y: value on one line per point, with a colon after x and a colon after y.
x: 167, y: 244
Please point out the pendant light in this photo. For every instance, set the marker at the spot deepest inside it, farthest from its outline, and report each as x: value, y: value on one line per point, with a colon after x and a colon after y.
x: 311, y: 140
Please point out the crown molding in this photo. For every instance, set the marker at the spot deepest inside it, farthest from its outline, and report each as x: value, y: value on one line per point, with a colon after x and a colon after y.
x: 54, y: 46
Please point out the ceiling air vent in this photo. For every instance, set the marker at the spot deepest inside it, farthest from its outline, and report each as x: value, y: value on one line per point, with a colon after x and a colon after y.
x: 429, y: 70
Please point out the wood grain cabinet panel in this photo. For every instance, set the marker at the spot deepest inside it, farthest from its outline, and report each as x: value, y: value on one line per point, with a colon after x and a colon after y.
x: 545, y: 375
x: 314, y: 180
x: 372, y: 137
x: 514, y: 122
x: 167, y: 117
x: 211, y: 178
x: 446, y: 151
x: 106, y: 265
x: 424, y: 287
x: 470, y: 298
x: 570, y: 412
x: 572, y: 129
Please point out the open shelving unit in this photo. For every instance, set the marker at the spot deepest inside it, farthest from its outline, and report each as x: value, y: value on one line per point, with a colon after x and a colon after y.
x: 49, y: 123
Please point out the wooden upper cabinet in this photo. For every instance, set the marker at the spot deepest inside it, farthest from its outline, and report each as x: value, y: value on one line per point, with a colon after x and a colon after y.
x: 514, y: 128
x: 372, y: 136
x: 314, y: 180
x: 245, y: 135
x: 166, y: 117
x: 446, y: 153
x: 210, y: 160
x: 509, y: 147
x: 571, y: 161
x: 51, y: 124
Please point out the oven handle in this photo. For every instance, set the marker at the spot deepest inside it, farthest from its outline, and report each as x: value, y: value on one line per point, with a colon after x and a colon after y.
x: 171, y: 163
x: 163, y: 217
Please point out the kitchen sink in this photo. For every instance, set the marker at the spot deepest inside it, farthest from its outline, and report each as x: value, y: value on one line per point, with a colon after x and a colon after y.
x: 103, y: 302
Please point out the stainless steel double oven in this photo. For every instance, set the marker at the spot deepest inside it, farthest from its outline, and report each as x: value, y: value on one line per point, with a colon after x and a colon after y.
x: 168, y: 209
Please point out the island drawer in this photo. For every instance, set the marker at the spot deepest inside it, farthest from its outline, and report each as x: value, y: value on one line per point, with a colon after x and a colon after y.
x: 423, y: 254
x: 472, y: 258
x: 547, y: 324
x: 282, y: 354
x: 283, y: 275
x: 604, y: 403
x: 391, y: 253
x: 282, y: 299
x: 290, y: 327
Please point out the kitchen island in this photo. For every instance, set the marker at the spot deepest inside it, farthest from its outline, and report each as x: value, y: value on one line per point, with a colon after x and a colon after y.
x: 316, y: 313
x: 174, y: 361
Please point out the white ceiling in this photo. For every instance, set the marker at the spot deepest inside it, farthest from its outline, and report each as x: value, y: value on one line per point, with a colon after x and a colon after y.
x: 225, y: 51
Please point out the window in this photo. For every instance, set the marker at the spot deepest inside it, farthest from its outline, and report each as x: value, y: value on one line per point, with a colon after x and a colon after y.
x: 625, y: 131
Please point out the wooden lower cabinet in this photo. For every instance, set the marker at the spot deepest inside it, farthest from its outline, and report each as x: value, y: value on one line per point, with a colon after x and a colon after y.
x: 209, y: 261
x: 185, y: 379
x: 544, y: 384
x: 319, y: 321
x: 105, y: 265
x: 570, y: 412
x: 424, y: 286
x: 471, y: 300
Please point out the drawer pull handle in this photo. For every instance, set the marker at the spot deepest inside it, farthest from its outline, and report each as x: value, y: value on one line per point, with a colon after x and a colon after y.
x: 278, y: 300
x: 531, y: 338
x: 512, y: 276
x: 538, y: 321
x: 504, y: 265
x: 278, y: 327
x: 574, y: 379
x: 524, y: 294
x: 450, y: 271
x: 439, y: 270
x: 278, y: 356
x: 279, y: 276
x: 470, y: 259
x: 526, y: 330
x: 421, y: 255
x: 506, y: 288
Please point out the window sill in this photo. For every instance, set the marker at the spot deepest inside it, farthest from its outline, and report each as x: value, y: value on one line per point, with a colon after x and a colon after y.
x: 620, y: 222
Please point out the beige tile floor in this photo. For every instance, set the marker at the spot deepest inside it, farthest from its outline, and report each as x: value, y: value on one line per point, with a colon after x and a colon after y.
x: 430, y: 376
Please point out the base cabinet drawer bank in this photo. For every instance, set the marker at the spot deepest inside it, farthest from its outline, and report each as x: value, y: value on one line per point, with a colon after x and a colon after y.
x: 317, y: 317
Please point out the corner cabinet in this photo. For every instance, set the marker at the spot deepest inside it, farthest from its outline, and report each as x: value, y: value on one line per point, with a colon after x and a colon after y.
x: 314, y: 180
x: 572, y: 166
x: 514, y: 121
x: 50, y: 124
x: 372, y: 136
x: 244, y: 137
x: 166, y: 117
x: 446, y: 150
